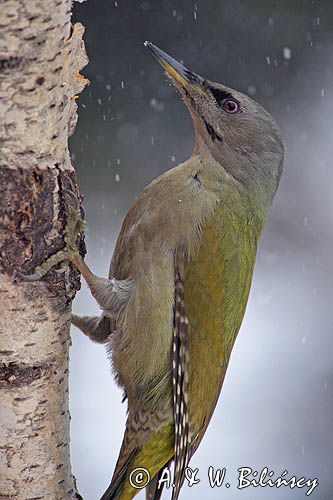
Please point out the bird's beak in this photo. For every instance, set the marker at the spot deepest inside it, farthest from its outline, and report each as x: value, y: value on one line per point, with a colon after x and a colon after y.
x: 178, y: 73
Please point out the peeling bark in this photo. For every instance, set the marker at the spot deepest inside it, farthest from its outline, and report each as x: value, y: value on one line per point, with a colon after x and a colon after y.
x: 40, y: 59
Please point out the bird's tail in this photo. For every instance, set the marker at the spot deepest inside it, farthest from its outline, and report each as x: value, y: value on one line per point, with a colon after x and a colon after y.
x: 154, y: 490
x: 139, y: 463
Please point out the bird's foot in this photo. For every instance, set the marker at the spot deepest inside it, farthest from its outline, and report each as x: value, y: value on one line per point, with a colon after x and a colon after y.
x: 70, y: 253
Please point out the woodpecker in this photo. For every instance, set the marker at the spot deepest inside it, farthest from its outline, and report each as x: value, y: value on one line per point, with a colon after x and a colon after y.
x: 180, y: 277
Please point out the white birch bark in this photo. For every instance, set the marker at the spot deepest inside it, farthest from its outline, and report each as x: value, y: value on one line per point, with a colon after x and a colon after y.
x: 40, y: 59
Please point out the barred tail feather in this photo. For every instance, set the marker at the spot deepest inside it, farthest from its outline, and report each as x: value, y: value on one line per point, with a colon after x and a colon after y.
x: 180, y: 378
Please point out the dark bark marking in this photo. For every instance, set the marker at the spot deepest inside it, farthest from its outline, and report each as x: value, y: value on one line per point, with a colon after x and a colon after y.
x: 18, y: 375
x: 11, y: 62
x: 40, y: 80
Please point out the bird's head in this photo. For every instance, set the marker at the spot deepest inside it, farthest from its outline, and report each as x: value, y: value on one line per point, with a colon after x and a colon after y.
x: 237, y: 131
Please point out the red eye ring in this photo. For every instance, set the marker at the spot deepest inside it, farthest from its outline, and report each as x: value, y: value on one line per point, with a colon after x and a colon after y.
x: 230, y: 106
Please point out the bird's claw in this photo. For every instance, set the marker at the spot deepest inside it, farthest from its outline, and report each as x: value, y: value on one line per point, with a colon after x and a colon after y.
x: 75, y: 225
x: 76, y: 205
x: 29, y: 277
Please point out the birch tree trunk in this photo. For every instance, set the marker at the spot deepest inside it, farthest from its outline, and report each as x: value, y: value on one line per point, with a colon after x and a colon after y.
x: 40, y: 58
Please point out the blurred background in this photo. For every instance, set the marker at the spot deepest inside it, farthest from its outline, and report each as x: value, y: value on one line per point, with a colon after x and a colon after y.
x: 276, y: 406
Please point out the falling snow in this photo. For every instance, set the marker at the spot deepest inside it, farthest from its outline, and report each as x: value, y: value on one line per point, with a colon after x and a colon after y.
x: 286, y: 53
x: 157, y: 105
x: 251, y: 90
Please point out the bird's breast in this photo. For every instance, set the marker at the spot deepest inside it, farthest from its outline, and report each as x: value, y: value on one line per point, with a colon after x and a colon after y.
x: 217, y: 285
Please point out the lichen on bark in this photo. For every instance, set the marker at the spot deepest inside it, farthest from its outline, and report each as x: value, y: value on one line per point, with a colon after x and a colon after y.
x: 41, y: 55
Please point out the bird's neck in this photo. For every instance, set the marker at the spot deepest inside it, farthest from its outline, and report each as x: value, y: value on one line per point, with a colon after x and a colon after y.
x: 240, y: 172
x: 243, y: 200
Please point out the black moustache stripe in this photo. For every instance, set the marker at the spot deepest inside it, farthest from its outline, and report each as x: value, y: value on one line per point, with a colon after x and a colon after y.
x: 213, y: 134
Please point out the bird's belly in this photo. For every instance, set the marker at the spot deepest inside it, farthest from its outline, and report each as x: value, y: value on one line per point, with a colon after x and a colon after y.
x: 217, y: 286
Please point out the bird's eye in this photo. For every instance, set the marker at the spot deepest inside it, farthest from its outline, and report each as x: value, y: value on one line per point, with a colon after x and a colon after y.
x: 230, y: 106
